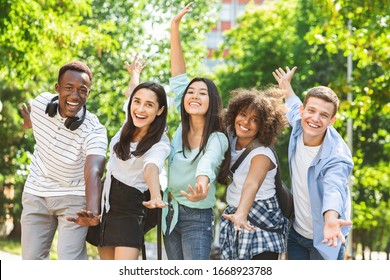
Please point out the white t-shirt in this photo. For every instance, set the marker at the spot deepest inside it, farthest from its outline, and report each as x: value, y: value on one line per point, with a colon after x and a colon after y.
x: 301, y: 160
x: 131, y: 171
x: 234, y: 190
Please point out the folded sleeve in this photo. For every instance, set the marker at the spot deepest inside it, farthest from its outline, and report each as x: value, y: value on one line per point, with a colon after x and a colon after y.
x: 213, y: 156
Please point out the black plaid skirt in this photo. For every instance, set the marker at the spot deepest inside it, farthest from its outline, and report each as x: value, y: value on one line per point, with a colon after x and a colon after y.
x: 270, y: 234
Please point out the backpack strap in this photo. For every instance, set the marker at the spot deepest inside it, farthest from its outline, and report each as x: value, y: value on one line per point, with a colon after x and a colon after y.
x: 252, y: 145
x: 159, y: 235
x: 159, y: 238
x: 278, y: 179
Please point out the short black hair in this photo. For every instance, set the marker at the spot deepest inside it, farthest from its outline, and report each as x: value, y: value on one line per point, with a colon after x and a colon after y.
x: 75, y: 66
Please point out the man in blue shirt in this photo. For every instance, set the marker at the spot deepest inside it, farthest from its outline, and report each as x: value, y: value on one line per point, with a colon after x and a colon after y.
x: 320, y: 165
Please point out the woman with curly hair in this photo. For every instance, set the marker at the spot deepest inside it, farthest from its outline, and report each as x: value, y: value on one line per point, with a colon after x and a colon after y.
x: 254, y: 115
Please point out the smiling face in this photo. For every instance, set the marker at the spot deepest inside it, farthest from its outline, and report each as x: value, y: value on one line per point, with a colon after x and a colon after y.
x: 196, y: 99
x: 246, y: 126
x: 317, y: 115
x: 144, y: 108
x: 73, y: 91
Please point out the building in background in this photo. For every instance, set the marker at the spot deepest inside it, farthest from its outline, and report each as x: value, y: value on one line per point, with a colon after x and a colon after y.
x: 230, y: 10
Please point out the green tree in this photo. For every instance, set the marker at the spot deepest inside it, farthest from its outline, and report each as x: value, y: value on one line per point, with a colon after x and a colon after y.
x: 37, y: 37
x: 315, y: 36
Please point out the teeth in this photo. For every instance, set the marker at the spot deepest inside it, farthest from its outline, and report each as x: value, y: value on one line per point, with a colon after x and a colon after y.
x: 312, y: 125
x: 73, y: 103
x: 243, y: 128
x: 194, y: 103
x: 140, y: 117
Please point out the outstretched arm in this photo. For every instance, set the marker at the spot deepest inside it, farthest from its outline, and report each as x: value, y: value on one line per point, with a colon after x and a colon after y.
x: 178, y: 65
x: 332, y: 228
x: 135, y: 69
x: 260, y: 164
x: 284, y: 80
x: 152, y: 180
x: 199, y: 191
x: 93, y: 171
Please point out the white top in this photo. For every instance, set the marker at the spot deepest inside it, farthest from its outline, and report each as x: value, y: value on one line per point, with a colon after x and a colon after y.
x: 266, y: 190
x: 300, y: 164
x: 131, y: 171
x: 57, y: 165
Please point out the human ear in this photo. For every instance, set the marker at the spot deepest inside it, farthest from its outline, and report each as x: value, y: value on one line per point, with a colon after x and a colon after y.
x: 160, y: 111
x: 332, y: 120
x: 301, y: 108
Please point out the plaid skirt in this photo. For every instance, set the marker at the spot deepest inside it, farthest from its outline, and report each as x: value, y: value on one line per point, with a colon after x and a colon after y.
x: 270, y: 234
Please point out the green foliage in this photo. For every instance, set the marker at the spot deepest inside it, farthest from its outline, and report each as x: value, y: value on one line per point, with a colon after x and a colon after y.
x: 371, y: 194
x: 318, y: 36
x: 37, y: 37
x: 257, y: 46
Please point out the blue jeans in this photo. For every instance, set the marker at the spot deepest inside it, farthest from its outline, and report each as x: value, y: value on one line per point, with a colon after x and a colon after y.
x: 192, y: 236
x: 301, y: 248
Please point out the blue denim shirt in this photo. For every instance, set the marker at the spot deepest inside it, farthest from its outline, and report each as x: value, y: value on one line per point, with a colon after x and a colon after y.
x: 328, y: 177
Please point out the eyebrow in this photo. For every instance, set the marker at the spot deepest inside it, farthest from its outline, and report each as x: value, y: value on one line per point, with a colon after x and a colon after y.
x: 321, y: 112
x: 190, y: 87
x: 148, y: 101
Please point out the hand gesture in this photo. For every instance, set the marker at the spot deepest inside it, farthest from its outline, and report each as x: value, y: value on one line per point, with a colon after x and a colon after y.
x: 85, y: 218
x: 181, y: 14
x: 284, y: 78
x: 155, y: 203
x: 240, y: 221
x: 332, y: 232
x: 137, y: 65
x: 25, y: 111
x: 197, y: 193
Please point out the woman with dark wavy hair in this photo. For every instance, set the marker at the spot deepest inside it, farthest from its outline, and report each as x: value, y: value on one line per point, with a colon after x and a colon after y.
x: 198, y: 150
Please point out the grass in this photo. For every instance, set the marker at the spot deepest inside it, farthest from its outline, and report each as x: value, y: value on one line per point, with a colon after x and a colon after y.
x: 15, y: 247
x: 11, y: 246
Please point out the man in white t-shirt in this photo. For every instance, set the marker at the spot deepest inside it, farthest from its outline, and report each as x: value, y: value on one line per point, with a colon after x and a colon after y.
x: 320, y: 166
x: 65, y: 170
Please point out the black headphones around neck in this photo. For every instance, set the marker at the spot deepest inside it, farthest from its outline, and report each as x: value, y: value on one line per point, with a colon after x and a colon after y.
x: 71, y: 123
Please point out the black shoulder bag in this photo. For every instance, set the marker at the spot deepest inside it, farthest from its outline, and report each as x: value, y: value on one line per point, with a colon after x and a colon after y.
x: 283, y: 193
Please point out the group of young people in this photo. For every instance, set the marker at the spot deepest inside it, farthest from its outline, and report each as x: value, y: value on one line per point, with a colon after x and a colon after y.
x: 69, y: 160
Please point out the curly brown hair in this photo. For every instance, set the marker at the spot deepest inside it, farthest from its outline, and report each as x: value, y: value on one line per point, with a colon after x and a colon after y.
x: 269, y: 107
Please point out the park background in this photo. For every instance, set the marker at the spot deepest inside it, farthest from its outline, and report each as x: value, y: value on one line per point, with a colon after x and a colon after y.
x: 343, y: 44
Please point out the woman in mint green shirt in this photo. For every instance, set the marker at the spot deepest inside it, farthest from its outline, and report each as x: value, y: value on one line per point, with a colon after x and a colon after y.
x: 197, y: 152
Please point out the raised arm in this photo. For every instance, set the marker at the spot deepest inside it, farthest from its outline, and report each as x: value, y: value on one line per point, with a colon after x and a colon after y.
x: 178, y: 65
x: 135, y: 69
x: 284, y: 80
x: 25, y: 111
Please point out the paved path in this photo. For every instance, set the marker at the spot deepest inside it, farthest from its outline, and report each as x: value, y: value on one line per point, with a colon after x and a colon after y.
x: 151, y: 253
x: 8, y: 256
